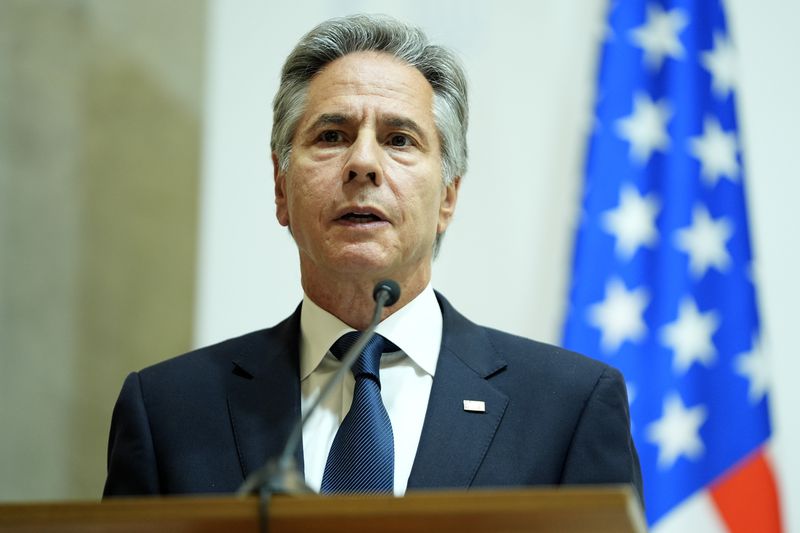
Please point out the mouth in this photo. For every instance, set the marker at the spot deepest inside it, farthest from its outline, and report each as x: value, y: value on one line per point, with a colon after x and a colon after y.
x: 358, y: 216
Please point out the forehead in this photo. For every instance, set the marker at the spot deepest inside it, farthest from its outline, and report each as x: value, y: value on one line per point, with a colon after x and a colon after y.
x: 366, y: 83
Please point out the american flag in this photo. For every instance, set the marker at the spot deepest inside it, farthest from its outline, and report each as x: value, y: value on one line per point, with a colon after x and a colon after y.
x: 663, y: 284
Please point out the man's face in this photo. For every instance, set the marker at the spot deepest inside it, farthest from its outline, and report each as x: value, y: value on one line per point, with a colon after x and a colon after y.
x: 363, y: 192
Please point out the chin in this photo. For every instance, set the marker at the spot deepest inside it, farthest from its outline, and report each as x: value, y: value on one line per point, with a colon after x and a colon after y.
x: 363, y: 264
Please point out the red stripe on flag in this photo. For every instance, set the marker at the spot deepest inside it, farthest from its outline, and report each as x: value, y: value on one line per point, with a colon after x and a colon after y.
x: 747, y: 498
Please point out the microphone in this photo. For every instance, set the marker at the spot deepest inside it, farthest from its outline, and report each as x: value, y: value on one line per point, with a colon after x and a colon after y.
x: 281, y: 475
x: 389, y: 289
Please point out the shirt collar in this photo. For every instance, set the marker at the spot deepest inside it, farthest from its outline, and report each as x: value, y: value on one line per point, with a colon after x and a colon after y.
x: 416, y: 329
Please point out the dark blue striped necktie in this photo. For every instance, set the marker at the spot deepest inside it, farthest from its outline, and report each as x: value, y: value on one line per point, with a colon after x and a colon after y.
x: 362, y: 455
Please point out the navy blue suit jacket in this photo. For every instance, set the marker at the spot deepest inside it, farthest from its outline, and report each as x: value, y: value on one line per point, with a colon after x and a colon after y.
x: 201, y: 422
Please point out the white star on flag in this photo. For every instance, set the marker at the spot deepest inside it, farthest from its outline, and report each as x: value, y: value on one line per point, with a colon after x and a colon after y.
x: 619, y: 316
x: 689, y: 336
x: 658, y: 37
x: 721, y: 63
x: 752, y: 366
x: 633, y: 222
x: 704, y: 241
x: 646, y: 127
x: 716, y: 151
x: 677, y: 432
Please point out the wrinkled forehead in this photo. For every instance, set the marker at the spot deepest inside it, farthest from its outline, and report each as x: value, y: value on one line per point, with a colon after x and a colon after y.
x: 370, y: 82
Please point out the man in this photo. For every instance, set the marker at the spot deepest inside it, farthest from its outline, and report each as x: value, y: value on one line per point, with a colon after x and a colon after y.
x: 369, y: 147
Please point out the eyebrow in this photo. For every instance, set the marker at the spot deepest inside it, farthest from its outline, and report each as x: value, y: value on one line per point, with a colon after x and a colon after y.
x: 327, y: 119
x: 406, y: 123
x: 332, y: 118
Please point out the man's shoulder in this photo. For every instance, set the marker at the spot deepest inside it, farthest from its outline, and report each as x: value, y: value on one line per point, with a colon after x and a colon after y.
x: 222, y: 352
x: 245, y: 351
x: 521, y: 354
x: 543, y: 357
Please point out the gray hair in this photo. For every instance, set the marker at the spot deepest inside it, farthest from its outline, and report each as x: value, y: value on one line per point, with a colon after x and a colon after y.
x: 338, y: 37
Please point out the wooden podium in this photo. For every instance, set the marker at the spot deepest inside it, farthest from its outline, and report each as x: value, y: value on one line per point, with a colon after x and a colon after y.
x: 590, y: 509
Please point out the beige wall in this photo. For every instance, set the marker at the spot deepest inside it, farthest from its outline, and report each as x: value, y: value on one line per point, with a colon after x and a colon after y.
x: 99, y: 154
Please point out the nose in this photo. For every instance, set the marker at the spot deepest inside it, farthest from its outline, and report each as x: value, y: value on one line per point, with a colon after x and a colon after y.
x: 364, y: 161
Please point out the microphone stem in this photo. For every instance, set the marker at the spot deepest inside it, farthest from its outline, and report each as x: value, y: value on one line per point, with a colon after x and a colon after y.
x: 282, y: 475
x: 287, y: 456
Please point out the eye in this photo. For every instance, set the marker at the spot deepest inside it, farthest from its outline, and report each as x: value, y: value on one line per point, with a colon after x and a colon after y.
x: 331, y: 136
x: 400, y: 140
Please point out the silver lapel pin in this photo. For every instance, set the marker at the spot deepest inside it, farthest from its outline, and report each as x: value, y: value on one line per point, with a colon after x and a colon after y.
x: 475, y: 406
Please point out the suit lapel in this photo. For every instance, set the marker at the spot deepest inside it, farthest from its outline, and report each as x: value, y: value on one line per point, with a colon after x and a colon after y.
x: 454, y: 441
x: 264, y: 394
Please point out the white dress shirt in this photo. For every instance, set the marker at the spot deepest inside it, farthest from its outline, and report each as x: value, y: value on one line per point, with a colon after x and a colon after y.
x: 406, y: 379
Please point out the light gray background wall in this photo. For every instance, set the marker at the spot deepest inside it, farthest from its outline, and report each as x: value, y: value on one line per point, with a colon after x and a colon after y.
x: 505, y: 260
x: 100, y: 120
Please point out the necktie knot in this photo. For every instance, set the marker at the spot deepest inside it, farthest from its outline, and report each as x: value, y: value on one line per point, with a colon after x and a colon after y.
x: 369, y: 362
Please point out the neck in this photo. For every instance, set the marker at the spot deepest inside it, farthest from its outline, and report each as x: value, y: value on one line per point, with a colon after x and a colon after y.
x: 349, y: 297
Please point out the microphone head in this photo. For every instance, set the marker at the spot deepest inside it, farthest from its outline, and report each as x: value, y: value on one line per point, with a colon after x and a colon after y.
x: 390, y: 287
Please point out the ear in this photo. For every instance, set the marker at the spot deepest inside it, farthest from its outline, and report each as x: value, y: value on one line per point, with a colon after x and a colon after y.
x: 447, y: 207
x: 281, y: 202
